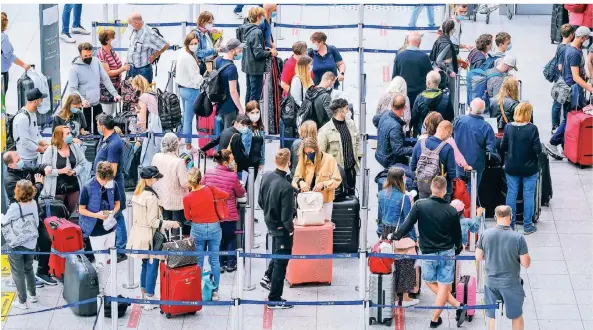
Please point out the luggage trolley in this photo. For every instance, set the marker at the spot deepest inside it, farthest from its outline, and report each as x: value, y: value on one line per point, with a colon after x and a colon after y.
x: 486, y: 9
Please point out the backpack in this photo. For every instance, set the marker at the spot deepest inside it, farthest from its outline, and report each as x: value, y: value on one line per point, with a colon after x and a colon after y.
x: 307, y: 109
x: 551, y: 68
x: 489, y: 63
x: 289, y: 110
x: 381, y: 265
x: 10, y: 140
x: 169, y: 110
x: 129, y: 153
x: 460, y: 192
x: 129, y: 95
x: 203, y: 107
x: 156, y: 60
x: 477, y: 80
x: 212, y: 85
x: 343, y: 190
x: 429, y: 166
x: 310, y: 209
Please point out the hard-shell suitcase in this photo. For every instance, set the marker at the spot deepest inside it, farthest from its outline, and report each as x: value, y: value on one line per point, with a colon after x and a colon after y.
x: 578, y: 141
x: 381, y: 293
x: 311, y: 240
x: 559, y: 17
x: 81, y: 282
x: 346, y: 217
x: 466, y: 293
x: 53, y: 207
x: 65, y: 237
x: 24, y: 83
x: 209, y: 126
x: 181, y: 284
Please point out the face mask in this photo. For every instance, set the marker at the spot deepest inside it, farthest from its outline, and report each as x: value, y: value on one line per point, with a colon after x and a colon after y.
x: 193, y: 48
x: 311, y: 156
x: 509, y: 47
x: 315, y: 46
x: 100, y: 131
x: 273, y: 15
x: 254, y: 117
x: 460, y: 17
x: 585, y: 44
x: 238, y: 57
x: 109, y: 184
x: 232, y: 165
x: 87, y: 60
x: 209, y: 27
x: 69, y: 139
x: 75, y: 110
x: 20, y: 164
x: 243, y: 130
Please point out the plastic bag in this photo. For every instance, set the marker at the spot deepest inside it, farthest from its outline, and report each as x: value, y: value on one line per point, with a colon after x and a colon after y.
x: 109, y: 223
x: 40, y: 82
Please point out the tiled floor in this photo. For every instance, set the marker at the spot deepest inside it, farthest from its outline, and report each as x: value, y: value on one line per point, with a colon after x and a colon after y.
x: 558, y: 285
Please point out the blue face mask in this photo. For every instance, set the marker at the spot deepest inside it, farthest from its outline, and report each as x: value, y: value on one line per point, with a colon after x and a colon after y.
x: 243, y: 130
x: 20, y: 164
x: 238, y: 57
x: 100, y: 131
x: 74, y: 110
x: 69, y: 139
x: 509, y: 47
x: 273, y: 15
x: 311, y: 156
x: 460, y: 17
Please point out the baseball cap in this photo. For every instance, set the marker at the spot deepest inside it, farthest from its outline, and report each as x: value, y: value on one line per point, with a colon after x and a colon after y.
x: 511, y: 61
x: 150, y: 172
x: 35, y: 94
x: 233, y: 44
x: 582, y: 31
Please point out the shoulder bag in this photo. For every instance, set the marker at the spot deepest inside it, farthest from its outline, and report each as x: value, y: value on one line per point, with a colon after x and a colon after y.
x: 404, y: 245
x: 222, y: 210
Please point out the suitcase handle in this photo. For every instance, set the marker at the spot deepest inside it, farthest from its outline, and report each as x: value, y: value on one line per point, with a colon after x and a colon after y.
x: 53, y: 225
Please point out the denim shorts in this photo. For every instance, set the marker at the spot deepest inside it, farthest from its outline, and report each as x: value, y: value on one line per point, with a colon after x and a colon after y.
x: 512, y: 297
x: 441, y: 271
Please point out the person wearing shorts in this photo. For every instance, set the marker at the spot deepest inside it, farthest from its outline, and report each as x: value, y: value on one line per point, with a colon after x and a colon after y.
x: 440, y: 228
x: 504, y: 252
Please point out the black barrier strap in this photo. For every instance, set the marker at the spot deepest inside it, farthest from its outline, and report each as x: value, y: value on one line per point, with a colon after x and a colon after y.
x: 491, y: 306
x: 99, y: 311
x: 82, y: 302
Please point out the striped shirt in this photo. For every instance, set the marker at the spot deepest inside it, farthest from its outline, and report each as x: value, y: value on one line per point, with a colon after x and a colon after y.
x: 144, y: 43
x: 112, y: 60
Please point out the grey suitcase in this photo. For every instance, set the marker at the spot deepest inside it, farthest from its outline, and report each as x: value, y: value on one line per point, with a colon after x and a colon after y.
x: 381, y: 293
x: 80, y: 283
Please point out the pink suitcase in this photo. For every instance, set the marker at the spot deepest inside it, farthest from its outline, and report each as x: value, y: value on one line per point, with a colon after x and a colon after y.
x: 466, y: 293
x: 311, y: 240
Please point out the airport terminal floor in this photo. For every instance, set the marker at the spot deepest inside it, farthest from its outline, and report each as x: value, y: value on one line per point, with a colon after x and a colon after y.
x: 558, y: 285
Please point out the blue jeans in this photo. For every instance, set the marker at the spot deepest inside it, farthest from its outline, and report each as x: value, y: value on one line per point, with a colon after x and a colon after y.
x: 208, y: 237
x: 145, y: 72
x: 441, y: 271
x: 66, y: 17
x: 148, y: 275
x: 529, y: 183
x: 254, y: 87
x: 577, y: 101
x: 238, y: 8
x: 188, y: 98
x: 121, y: 233
x: 556, y: 110
x: 416, y: 12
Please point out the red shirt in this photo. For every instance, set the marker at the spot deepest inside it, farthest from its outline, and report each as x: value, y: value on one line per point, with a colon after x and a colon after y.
x: 198, y: 205
x: 288, y: 71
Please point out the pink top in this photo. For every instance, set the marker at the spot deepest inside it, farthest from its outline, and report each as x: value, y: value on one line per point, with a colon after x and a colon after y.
x: 151, y: 102
x: 581, y: 19
x: 459, y: 159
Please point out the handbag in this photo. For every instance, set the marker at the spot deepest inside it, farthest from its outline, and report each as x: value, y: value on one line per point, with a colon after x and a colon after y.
x: 183, y: 245
x: 561, y: 92
x: 404, y: 245
x: 158, y: 239
x: 17, y: 231
x: 222, y: 210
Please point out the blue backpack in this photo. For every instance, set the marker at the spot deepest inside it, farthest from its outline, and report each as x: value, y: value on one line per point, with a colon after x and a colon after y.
x: 208, y: 286
x: 477, y: 80
x: 489, y: 63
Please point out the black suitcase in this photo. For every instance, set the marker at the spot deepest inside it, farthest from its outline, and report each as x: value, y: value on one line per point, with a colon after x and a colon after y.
x: 24, y: 83
x: 346, y: 217
x: 80, y: 283
x: 492, y: 191
x: 90, y: 151
x: 52, y: 207
x: 559, y: 17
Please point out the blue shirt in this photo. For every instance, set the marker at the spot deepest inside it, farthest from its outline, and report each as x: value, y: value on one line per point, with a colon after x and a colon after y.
x: 111, y: 150
x: 228, y: 74
x: 474, y: 138
x: 266, y: 29
x: 8, y: 56
x: 322, y: 64
x: 572, y: 57
x: 446, y: 157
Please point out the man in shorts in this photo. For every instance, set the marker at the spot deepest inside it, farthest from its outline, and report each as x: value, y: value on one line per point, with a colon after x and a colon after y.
x: 440, y: 228
x: 504, y: 252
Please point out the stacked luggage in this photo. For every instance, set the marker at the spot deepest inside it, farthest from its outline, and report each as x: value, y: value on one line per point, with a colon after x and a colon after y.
x: 381, y: 285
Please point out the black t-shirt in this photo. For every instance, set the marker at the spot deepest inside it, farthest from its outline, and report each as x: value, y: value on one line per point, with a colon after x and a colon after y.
x: 75, y: 123
x: 66, y: 183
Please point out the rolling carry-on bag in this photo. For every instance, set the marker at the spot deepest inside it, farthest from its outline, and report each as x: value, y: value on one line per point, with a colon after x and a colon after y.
x: 578, y: 144
x: 311, y: 240
x: 381, y: 293
x: 346, y: 217
x: 65, y: 237
x: 466, y: 293
x: 180, y: 284
x: 81, y: 282
x: 209, y: 126
x: 53, y: 207
x: 559, y: 17
x: 24, y: 83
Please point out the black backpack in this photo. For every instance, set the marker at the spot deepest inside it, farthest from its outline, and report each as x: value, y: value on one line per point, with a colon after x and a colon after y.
x: 156, y: 60
x: 202, y: 106
x: 10, y: 141
x: 213, y: 86
x: 169, y: 110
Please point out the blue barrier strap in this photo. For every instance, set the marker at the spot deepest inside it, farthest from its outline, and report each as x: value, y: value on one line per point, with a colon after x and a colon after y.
x: 422, y: 257
x: 178, y: 253
x: 304, y: 303
x: 389, y: 51
x: 492, y: 306
x: 409, y: 5
x: 316, y: 27
x: 342, y: 50
x: 123, y: 49
x: 404, y: 28
x: 180, y: 135
x: 300, y: 256
x: 58, y: 253
x: 109, y: 299
x: 82, y: 302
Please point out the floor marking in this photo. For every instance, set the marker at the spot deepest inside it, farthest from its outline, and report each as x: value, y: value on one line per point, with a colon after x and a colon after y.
x: 399, y: 318
x: 5, y: 266
x: 7, y: 298
x: 135, y: 316
x: 268, y: 318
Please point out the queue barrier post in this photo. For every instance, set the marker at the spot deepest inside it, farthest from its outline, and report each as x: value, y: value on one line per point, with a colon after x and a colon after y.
x: 364, y: 211
x: 474, y: 199
x: 498, y: 315
x: 128, y: 218
x: 248, y: 285
x: 94, y: 34
x: 266, y: 101
x: 456, y: 95
x: 105, y: 12
x: 100, y: 314
x: 362, y: 285
x: 240, y: 286
x: 113, y: 264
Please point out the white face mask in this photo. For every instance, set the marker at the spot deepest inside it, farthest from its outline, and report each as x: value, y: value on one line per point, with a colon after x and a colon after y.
x: 254, y: 117
x: 109, y: 185
x: 193, y: 48
x: 209, y: 27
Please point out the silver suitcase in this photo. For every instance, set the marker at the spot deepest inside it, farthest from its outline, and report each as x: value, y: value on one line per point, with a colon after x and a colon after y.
x: 381, y: 293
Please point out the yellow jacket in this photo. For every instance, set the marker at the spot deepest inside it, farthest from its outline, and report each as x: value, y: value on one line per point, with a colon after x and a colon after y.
x: 328, y: 173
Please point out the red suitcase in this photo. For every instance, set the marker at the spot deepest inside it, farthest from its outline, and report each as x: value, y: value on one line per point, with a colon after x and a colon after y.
x: 181, y: 284
x: 208, y: 126
x: 311, y: 240
x: 65, y: 237
x: 578, y: 138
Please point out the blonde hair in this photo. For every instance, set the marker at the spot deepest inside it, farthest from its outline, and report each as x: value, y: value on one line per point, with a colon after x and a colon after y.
x: 140, y: 186
x: 57, y: 137
x: 302, y: 71
x: 204, y: 18
x: 66, y: 112
x: 255, y: 13
x: 4, y: 21
x: 308, y: 129
x: 194, y: 177
x: 310, y: 142
x: 510, y: 89
x: 140, y: 83
x: 523, y: 112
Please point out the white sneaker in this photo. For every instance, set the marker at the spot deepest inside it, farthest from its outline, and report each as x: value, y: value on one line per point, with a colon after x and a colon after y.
x: 408, y: 303
x: 66, y: 37
x: 33, y: 299
x: 19, y: 305
x: 215, y: 296
x: 239, y: 15
x: 560, y: 150
x: 79, y: 30
x: 149, y: 307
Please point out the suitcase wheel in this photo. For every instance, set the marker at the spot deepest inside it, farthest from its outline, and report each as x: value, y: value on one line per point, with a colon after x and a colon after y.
x: 192, y: 313
x: 388, y: 322
x: 470, y: 318
x: 168, y: 315
x: 371, y: 320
